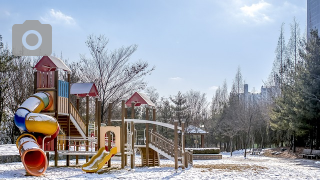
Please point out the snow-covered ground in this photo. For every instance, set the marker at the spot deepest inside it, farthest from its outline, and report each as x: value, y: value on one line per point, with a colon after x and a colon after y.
x: 9, y: 149
x: 235, y: 167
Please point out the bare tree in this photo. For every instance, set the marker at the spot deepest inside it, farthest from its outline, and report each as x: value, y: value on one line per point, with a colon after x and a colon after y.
x: 111, y: 71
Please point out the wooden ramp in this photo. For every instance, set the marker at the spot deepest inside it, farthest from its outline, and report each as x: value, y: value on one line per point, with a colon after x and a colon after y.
x: 153, y: 157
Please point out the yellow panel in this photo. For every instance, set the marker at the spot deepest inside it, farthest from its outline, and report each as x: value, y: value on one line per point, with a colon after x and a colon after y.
x: 41, y: 124
x: 39, y: 108
x: 115, y: 130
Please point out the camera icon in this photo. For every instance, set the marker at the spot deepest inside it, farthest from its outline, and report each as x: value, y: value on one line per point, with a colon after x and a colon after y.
x: 31, y: 39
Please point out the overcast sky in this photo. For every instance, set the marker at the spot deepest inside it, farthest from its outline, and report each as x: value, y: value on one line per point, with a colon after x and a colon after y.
x: 194, y: 44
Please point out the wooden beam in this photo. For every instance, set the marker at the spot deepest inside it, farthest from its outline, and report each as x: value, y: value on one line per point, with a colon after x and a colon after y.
x: 68, y: 121
x: 56, y: 115
x: 87, y: 125
x: 122, y: 133
x: 176, y: 144
x: 147, y: 138
x: 99, y: 123
x: 126, y: 135
x: 108, y: 133
x: 35, y: 80
x: 132, y: 136
x: 184, y: 161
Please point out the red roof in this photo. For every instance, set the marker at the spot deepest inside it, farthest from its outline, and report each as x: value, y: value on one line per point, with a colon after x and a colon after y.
x: 84, y: 89
x: 50, y: 63
x: 138, y: 99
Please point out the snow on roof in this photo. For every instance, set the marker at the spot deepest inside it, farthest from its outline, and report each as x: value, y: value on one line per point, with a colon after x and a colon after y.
x: 194, y: 130
x: 84, y: 89
x: 51, y: 63
x: 139, y: 98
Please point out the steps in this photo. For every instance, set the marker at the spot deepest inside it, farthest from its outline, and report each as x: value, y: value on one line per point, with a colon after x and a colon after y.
x: 63, y: 120
x: 164, y: 146
x: 153, y: 157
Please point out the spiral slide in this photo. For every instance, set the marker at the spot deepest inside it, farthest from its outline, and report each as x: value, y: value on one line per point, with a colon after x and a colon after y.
x: 99, y: 160
x: 35, y: 126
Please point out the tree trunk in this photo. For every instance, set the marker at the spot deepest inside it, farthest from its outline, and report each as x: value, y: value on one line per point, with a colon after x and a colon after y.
x: 231, y: 146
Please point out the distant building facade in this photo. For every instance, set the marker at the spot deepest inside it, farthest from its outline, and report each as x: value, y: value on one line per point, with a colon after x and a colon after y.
x: 313, y: 15
x: 266, y: 94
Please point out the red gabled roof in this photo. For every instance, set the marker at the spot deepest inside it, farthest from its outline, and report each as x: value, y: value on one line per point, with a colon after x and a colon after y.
x: 139, y: 99
x: 50, y: 63
x: 84, y: 89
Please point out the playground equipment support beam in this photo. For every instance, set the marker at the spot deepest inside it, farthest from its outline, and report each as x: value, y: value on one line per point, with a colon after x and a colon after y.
x: 122, y: 133
x: 147, y: 138
x: 126, y: 135
x: 55, y: 141
x: 176, y: 144
x: 108, y: 133
x: 87, y: 125
x: 68, y: 122
x: 96, y: 120
x: 99, y: 123
x: 184, y: 164
x: 132, y: 135
x: 77, y: 143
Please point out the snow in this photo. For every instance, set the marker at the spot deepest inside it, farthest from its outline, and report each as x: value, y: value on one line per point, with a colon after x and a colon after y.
x: 235, y: 167
x: 9, y: 149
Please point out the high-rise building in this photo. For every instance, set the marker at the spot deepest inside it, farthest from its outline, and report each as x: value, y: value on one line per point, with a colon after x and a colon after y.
x: 313, y: 15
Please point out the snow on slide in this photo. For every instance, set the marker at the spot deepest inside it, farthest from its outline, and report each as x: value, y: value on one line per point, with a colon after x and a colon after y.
x: 99, y: 160
x: 35, y: 126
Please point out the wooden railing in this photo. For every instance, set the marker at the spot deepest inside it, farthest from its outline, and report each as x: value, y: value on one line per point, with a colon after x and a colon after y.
x: 164, y: 144
x: 45, y: 79
x: 76, y: 115
x: 189, y: 156
x: 63, y: 105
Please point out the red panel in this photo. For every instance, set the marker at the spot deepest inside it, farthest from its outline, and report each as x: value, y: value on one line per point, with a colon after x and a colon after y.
x: 136, y: 98
x: 45, y: 64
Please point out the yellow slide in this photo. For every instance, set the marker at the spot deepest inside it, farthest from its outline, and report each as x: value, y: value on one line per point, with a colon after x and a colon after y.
x: 99, y: 160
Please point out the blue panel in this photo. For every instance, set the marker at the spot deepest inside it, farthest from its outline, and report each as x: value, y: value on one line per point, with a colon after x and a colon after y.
x: 20, y: 118
x: 63, y: 90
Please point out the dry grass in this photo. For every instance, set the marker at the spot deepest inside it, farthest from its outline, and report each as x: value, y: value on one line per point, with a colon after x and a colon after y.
x: 224, y: 167
x: 231, y: 167
x: 283, y: 154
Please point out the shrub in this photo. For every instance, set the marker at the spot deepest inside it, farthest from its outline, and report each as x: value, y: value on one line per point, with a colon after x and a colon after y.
x: 205, y: 150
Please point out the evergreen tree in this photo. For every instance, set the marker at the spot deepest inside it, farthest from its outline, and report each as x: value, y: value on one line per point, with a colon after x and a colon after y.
x: 180, y: 108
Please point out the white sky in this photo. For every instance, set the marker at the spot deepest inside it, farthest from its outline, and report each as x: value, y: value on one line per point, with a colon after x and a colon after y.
x: 193, y: 44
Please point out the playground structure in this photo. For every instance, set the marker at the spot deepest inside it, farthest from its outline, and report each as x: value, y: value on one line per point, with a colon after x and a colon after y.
x: 51, y: 123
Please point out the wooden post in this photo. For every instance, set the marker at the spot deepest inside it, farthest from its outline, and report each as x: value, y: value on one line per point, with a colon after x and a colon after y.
x: 96, y: 121
x: 154, y: 130
x: 56, y: 114
x: 133, y: 153
x: 122, y: 133
x: 68, y: 121
x: 132, y: 132
x: 147, y: 137
x: 87, y: 125
x: 35, y: 81
x: 202, y: 140
x: 78, y: 103
x: 184, y: 161
x: 108, y: 133
x: 126, y: 135
x: 176, y: 144
x: 154, y: 118
x: 99, y: 123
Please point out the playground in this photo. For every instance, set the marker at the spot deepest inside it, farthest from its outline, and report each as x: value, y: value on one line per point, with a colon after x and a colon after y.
x: 127, y: 148
x: 51, y: 124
